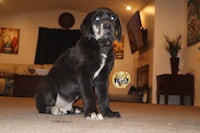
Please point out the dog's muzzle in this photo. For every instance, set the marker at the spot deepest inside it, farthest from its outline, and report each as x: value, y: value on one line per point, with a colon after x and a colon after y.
x: 105, y: 30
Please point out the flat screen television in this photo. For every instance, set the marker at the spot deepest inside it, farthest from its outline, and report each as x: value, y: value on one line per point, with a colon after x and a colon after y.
x: 136, y: 33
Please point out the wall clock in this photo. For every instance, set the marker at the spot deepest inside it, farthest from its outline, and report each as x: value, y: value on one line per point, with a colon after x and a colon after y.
x: 66, y: 20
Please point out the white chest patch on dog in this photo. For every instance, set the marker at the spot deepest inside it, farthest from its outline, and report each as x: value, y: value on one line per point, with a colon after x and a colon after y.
x: 103, y: 60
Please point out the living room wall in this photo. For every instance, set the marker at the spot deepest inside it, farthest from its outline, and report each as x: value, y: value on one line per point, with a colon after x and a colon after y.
x: 28, y: 24
x: 171, y: 19
x: 146, y: 57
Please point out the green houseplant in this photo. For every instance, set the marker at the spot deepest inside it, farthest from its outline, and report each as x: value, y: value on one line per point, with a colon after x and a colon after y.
x: 173, y: 47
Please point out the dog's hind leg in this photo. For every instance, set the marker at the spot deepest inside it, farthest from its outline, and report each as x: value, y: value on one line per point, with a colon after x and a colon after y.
x: 46, y: 95
x: 45, y: 99
x: 62, y: 106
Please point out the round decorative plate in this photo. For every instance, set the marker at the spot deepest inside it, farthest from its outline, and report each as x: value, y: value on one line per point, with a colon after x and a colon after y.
x: 121, y: 79
x: 66, y: 20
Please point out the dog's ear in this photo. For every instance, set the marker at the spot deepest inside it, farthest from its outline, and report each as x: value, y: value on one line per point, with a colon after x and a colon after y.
x: 118, y: 29
x: 86, y: 26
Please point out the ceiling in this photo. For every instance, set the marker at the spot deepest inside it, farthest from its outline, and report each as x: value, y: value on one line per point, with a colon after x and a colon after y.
x: 22, y: 6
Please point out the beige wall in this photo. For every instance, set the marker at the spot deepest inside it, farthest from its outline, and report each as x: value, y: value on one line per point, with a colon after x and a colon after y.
x: 28, y: 24
x: 169, y: 16
x: 171, y: 19
x: 141, y: 59
x: 191, y: 57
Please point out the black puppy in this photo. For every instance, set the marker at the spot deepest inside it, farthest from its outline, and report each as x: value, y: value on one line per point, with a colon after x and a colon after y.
x: 83, y: 70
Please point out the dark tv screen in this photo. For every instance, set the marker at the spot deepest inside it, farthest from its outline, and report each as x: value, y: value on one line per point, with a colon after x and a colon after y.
x: 136, y: 34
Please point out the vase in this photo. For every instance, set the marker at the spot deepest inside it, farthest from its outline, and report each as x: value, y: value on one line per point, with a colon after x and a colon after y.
x: 174, y: 65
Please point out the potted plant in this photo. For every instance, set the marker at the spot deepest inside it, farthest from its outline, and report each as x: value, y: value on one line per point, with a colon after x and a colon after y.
x: 173, y: 47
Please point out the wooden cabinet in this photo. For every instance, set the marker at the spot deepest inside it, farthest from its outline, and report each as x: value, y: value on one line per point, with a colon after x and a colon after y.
x: 182, y: 85
x: 25, y: 85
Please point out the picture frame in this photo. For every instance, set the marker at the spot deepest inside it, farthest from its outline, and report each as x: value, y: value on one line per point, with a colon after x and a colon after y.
x: 193, y: 20
x: 9, y: 40
x: 119, y: 48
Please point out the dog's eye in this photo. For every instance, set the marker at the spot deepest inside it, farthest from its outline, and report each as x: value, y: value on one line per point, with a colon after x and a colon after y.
x: 97, y: 18
x: 112, y: 18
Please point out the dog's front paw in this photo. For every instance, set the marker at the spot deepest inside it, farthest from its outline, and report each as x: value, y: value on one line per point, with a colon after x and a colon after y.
x: 111, y: 114
x: 94, y: 116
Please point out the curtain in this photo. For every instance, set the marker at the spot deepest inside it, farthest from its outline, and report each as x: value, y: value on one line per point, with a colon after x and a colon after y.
x: 53, y: 42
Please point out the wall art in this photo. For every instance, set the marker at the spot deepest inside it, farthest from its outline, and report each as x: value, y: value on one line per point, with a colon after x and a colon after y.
x: 193, y: 22
x: 9, y: 40
x: 119, y: 48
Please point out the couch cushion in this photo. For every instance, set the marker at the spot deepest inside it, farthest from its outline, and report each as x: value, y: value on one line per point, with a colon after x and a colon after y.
x: 42, y: 72
x: 22, y: 69
x: 47, y: 66
x: 7, y: 68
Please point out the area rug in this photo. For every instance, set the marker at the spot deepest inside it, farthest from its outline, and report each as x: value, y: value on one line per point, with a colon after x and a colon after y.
x: 19, y: 115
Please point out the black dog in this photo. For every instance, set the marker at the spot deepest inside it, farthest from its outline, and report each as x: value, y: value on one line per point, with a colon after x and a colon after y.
x: 83, y: 70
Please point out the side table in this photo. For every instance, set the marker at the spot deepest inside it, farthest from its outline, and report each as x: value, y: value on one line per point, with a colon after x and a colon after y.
x: 182, y: 85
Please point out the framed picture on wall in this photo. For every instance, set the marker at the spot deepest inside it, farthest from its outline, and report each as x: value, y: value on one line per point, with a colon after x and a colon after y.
x: 9, y: 40
x: 193, y: 22
x: 119, y: 48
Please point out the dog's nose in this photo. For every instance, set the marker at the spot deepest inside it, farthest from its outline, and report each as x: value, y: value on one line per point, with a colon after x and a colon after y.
x: 107, y: 26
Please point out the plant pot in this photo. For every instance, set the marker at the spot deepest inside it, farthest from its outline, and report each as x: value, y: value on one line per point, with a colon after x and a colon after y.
x: 174, y: 65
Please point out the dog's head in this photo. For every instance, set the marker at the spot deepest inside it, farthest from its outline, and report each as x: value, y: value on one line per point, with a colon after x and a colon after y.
x: 102, y: 24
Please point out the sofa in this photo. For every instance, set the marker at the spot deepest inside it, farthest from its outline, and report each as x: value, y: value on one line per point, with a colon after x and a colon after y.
x: 6, y: 84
